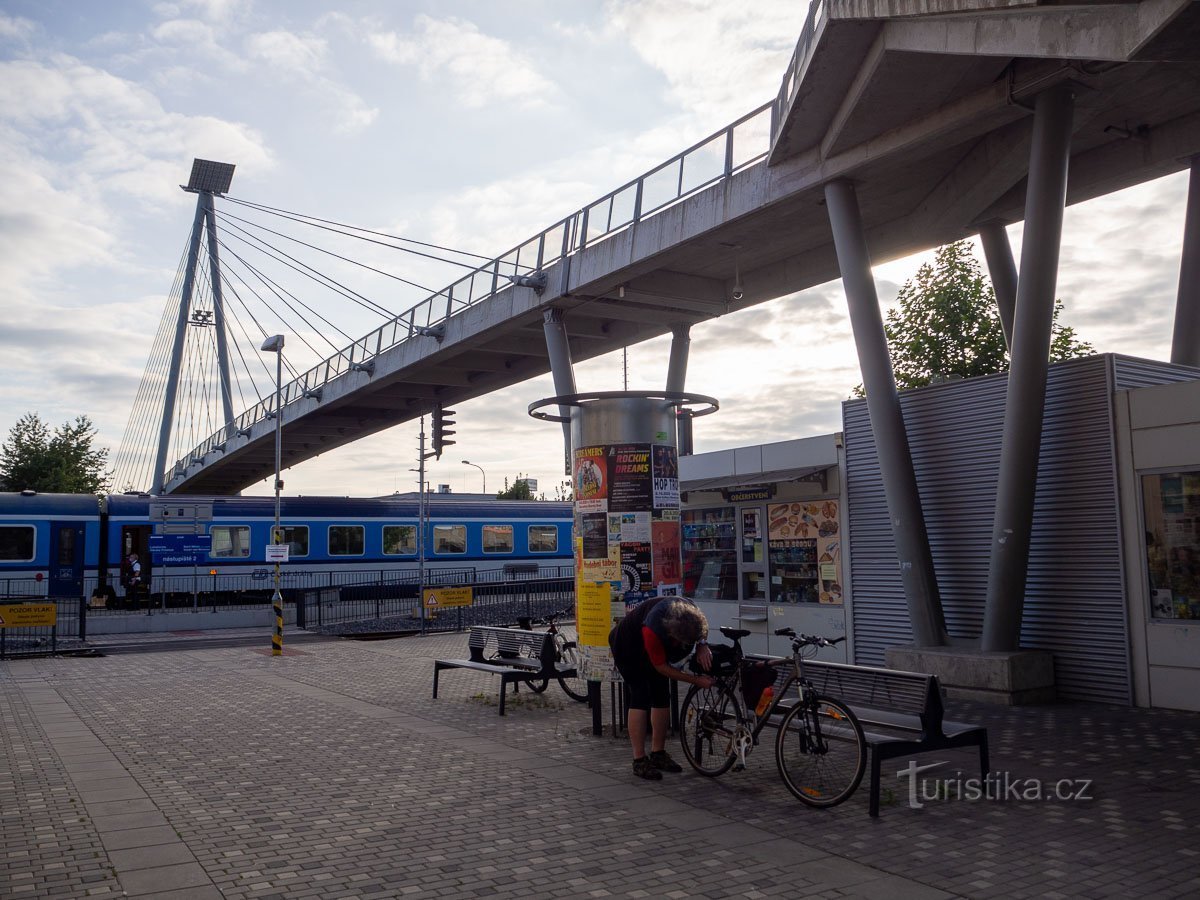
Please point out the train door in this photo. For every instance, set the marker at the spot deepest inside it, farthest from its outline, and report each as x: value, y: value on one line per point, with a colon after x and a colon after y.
x: 136, y: 539
x: 66, y: 559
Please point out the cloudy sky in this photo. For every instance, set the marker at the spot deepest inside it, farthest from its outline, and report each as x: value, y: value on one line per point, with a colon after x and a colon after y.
x: 470, y: 125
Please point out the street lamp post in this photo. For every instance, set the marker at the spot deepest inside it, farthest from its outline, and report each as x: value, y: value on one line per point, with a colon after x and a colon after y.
x: 274, y: 344
x: 481, y: 472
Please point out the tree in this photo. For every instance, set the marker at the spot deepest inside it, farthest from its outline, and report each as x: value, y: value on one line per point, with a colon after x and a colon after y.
x: 518, y: 491
x: 947, y: 324
x: 63, y: 462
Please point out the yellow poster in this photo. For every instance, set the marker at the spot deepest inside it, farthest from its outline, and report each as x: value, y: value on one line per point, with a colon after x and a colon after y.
x: 27, y: 615
x: 448, y: 597
x: 593, y: 613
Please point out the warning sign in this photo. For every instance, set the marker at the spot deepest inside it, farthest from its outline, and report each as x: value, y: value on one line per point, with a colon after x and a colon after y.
x: 28, y: 615
x: 448, y: 597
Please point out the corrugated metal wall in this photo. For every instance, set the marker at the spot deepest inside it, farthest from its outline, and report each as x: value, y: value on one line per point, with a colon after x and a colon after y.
x: 1075, y: 603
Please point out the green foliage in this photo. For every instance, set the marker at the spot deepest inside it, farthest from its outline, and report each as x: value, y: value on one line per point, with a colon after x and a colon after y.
x: 63, y: 462
x: 518, y: 491
x: 947, y: 324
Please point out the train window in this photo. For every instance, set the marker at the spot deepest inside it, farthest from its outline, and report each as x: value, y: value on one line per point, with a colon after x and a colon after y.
x: 66, y: 546
x: 497, y: 539
x: 230, y: 541
x: 346, y: 540
x: 16, y: 543
x: 543, y: 539
x: 449, y: 538
x: 296, y: 537
x: 399, y: 540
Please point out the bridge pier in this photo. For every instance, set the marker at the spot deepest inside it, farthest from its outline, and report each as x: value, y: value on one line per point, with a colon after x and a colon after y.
x: 1003, y: 271
x: 1185, y: 340
x: 681, y: 343
x: 887, y: 419
x: 1025, y: 403
x: 559, y: 350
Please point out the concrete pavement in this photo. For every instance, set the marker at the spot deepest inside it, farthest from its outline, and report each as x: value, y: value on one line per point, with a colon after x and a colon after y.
x: 223, y: 772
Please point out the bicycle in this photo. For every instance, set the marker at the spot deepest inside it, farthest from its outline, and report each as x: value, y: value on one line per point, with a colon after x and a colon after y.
x: 567, y: 659
x: 820, y: 748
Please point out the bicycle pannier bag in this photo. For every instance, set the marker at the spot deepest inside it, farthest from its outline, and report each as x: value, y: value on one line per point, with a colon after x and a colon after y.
x: 756, y: 678
x: 724, y: 661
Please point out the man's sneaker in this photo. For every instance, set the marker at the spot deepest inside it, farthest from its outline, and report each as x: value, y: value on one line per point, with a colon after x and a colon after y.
x: 643, y: 768
x: 662, y: 761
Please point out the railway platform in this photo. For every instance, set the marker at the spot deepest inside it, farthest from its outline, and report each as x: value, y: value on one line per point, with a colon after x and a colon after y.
x: 220, y: 772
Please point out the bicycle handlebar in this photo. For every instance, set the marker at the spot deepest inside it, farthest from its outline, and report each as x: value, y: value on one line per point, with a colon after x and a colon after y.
x: 808, y: 640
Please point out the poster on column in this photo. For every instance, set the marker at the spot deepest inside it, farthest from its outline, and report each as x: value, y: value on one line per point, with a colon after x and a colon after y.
x: 591, y: 480
x: 629, y: 487
x: 636, y: 566
x: 666, y: 477
x: 665, y: 541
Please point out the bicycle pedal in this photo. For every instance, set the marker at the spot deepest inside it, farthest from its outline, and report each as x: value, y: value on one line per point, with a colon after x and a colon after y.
x: 738, y: 767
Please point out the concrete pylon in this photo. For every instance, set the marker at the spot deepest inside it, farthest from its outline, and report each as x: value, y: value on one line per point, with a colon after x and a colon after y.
x: 887, y: 419
x: 1185, y: 340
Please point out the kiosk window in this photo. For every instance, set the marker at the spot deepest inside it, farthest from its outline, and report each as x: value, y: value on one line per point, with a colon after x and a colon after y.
x: 543, y: 539
x: 16, y: 543
x: 449, y: 538
x: 346, y: 540
x: 497, y: 539
x: 1171, y: 507
x: 399, y: 540
x: 230, y: 541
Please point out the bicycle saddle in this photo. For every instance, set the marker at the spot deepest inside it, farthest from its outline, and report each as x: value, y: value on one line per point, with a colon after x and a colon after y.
x: 734, y: 634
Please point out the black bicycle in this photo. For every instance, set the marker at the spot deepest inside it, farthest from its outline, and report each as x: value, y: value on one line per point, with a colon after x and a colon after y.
x: 567, y: 658
x: 819, y: 748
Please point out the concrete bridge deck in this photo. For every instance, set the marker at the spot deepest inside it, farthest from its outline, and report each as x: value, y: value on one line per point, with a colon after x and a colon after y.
x: 925, y: 105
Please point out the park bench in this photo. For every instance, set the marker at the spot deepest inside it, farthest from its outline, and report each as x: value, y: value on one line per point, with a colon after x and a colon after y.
x: 901, y: 714
x: 518, y: 656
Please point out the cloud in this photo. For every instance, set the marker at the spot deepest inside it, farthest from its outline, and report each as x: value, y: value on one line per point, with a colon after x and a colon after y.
x: 480, y: 69
x: 14, y: 28
x: 288, y: 51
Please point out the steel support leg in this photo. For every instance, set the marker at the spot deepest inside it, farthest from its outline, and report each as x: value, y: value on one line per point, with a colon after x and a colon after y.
x: 887, y: 419
x: 1003, y: 270
x: 185, y: 303
x: 1185, y: 341
x: 676, y: 378
x: 559, y: 351
x: 1025, y: 404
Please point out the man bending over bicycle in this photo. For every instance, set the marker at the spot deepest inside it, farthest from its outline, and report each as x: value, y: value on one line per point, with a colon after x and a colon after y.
x: 655, y: 635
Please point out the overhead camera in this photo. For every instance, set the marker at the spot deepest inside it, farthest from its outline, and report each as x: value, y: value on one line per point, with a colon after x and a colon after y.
x: 737, y: 293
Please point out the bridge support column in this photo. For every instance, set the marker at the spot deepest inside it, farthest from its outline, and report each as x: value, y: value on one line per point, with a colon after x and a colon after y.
x: 185, y: 303
x: 559, y: 350
x: 1185, y: 341
x: 1024, y: 407
x: 887, y: 419
x: 681, y: 343
x: 214, y: 268
x: 1003, y: 271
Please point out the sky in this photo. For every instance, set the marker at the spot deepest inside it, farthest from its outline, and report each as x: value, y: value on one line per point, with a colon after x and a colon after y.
x: 469, y: 125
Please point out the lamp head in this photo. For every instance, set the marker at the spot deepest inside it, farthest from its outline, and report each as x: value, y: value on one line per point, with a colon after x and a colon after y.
x: 273, y: 344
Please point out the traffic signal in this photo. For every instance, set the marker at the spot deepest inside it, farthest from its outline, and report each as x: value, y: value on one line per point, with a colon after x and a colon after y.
x: 441, y: 430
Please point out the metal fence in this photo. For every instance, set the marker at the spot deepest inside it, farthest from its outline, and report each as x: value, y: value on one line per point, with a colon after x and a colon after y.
x: 396, y: 606
x: 39, y: 640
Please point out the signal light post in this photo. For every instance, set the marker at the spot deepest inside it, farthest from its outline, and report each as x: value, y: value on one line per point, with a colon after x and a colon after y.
x: 441, y: 421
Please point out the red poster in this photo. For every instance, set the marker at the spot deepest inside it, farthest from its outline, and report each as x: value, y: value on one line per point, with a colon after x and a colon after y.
x: 591, y: 480
x: 667, y: 565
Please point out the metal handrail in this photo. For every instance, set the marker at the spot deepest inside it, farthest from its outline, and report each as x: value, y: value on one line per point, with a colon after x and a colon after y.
x: 639, y: 199
x: 817, y: 12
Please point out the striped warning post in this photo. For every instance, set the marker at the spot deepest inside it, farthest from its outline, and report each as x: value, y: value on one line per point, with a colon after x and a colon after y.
x: 277, y: 603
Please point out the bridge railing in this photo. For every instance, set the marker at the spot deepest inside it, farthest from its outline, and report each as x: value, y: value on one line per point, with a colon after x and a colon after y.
x: 818, y: 12
x: 710, y: 161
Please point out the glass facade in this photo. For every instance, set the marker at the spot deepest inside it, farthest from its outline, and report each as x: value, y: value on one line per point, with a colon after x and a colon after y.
x: 1171, y: 510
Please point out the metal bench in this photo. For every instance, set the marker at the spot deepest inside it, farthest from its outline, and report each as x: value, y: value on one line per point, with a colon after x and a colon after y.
x: 901, y: 713
x: 519, y: 656
x: 513, y: 570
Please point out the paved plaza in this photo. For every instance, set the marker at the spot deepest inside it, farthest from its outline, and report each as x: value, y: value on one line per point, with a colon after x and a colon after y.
x: 222, y: 772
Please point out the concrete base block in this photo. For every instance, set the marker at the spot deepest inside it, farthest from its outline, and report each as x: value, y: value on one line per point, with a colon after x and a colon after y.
x: 1018, y: 678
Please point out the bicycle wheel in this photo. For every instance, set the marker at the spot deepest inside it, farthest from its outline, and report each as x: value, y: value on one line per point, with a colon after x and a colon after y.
x: 538, y: 686
x: 821, y: 752
x: 575, y: 686
x: 708, y: 728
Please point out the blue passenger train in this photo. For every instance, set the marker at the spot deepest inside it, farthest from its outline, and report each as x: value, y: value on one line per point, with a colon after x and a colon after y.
x: 66, y: 543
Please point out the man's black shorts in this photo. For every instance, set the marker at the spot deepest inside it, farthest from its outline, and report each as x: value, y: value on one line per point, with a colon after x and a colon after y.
x: 646, y: 687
